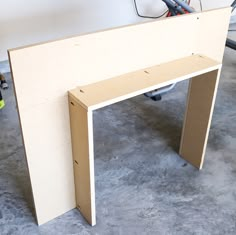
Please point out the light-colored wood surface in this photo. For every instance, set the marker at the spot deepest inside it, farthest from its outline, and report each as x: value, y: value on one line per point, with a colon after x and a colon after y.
x: 82, y: 147
x: 112, y: 90
x: 83, y: 100
x: 200, y: 104
x: 43, y: 74
x: 51, y: 171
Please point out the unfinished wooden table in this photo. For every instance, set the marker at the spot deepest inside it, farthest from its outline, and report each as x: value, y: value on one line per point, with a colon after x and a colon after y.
x: 108, y: 66
x: 204, y: 73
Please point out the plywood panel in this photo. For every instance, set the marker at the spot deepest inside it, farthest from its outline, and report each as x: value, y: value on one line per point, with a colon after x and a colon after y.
x: 214, y: 44
x: 51, y: 158
x: 111, y: 53
x: 201, y: 100
x: 43, y: 74
x: 112, y: 90
x: 82, y: 146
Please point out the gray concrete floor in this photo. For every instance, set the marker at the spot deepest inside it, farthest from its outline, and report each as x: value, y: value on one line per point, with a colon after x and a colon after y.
x: 142, y: 185
x: 4, y: 66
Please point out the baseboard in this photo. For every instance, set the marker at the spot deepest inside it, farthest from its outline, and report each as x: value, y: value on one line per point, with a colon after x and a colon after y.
x: 4, y: 66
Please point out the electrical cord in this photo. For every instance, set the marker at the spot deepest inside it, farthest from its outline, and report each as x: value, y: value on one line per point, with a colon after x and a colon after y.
x: 200, y: 2
x: 150, y: 17
x: 156, y: 17
x: 189, y: 1
x: 233, y: 5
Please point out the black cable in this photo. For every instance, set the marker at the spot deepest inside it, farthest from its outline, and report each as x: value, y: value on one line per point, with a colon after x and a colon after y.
x: 150, y: 17
x: 200, y: 1
x: 233, y: 5
x: 229, y: 42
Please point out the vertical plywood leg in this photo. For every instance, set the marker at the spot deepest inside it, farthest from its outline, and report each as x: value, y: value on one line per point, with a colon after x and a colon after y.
x: 200, y: 104
x: 82, y: 147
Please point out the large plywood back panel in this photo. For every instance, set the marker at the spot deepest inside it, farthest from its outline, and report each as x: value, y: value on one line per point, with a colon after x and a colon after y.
x: 44, y: 73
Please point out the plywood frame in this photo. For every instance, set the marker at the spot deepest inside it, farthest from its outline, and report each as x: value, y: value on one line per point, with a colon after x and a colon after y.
x: 43, y: 74
x: 204, y: 74
x: 81, y: 121
x: 199, y: 110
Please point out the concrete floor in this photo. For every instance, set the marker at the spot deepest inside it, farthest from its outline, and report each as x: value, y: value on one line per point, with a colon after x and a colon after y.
x: 142, y: 185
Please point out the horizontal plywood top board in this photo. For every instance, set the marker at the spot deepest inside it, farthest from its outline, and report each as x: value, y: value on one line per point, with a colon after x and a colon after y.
x: 112, y: 90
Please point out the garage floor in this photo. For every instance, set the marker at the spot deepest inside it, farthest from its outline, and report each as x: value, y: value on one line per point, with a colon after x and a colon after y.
x: 142, y: 185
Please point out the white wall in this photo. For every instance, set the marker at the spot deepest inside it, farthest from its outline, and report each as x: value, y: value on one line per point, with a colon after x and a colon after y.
x: 25, y: 22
